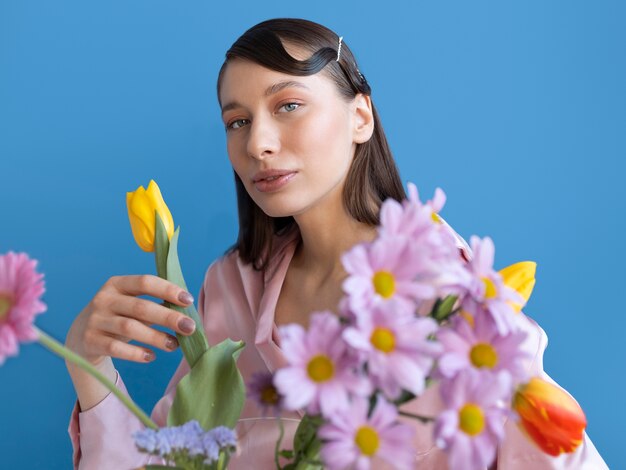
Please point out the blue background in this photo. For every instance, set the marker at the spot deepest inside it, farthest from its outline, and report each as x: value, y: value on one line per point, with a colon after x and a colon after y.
x: 516, y: 109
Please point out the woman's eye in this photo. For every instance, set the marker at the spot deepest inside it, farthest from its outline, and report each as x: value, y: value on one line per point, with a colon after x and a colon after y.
x: 236, y: 124
x: 290, y: 106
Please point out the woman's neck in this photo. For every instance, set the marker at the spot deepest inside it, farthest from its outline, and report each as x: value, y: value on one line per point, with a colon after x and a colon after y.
x: 327, y: 232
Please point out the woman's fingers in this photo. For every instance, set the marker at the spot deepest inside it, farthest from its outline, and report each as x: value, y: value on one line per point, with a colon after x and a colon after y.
x: 147, y: 284
x: 152, y: 313
x: 111, y: 346
x: 125, y: 328
x: 115, y: 317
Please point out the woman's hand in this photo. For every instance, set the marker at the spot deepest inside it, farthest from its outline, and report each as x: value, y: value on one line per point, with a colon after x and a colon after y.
x: 115, y: 316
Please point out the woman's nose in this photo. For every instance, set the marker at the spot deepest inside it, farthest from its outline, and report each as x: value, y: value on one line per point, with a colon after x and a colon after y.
x: 263, y: 138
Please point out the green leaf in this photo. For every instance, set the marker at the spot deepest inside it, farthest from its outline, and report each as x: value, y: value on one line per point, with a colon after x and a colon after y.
x: 174, y: 271
x: 196, y: 344
x: 306, y: 433
x: 443, y: 308
x: 213, y: 391
x: 161, y: 247
x: 306, y: 444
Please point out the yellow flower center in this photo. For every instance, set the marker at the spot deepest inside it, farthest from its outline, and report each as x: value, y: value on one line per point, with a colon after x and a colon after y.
x: 367, y: 440
x: 471, y: 419
x: 436, y: 218
x: 484, y: 355
x: 5, y: 306
x: 490, y: 288
x: 320, y: 368
x: 384, y: 284
x: 269, y: 395
x: 383, y: 339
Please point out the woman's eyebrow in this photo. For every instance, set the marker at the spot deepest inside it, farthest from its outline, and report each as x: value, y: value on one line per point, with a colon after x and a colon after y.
x: 276, y: 87
x: 269, y: 91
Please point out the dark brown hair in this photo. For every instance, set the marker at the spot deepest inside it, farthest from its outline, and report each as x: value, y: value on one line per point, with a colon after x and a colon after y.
x: 373, y: 175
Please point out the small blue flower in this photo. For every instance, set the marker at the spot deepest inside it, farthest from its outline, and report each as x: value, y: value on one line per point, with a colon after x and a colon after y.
x: 188, y: 440
x: 224, y: 436
x: 146, y: 440
x: 210, y: 448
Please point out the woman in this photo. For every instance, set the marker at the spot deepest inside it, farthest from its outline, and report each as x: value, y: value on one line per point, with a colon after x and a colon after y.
x: 312, y: 167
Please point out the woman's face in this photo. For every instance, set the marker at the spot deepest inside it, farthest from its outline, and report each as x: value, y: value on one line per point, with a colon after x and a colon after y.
x: 290, y: 139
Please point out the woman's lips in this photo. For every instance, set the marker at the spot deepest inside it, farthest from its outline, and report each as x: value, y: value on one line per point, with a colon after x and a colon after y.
x: 274, y: 182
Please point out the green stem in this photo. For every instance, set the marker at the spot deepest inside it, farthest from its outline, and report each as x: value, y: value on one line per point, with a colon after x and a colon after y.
x: 423, y: 419
x: 57, y: 348
x: 221, y: 461
x: 278, y: 442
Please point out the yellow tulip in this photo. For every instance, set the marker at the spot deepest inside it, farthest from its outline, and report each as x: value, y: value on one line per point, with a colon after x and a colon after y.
x: 549, y: 416
x: 520, y: 277
x: 143, y: 205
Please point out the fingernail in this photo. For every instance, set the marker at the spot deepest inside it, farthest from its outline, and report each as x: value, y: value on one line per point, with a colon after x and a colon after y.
x: 185, y: 297
x: 148, y: 356
x: 171, y: 343
x: 187, y: 325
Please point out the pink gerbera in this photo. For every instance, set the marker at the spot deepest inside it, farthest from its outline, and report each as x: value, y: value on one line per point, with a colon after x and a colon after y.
x: 386, y: 270
x: 397, y: 349
x: 478, y: 344
x: 21, y: 287
x: 352, y: 439
x: 472, y: 424
x: 321, y: 374
x: 486, y: 289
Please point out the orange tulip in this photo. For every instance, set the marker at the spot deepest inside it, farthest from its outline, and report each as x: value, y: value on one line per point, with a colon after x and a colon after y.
x: 549, y: 416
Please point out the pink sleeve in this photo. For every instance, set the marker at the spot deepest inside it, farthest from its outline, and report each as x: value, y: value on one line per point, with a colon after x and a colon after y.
x: 517, y: 452
x: 102, y: 436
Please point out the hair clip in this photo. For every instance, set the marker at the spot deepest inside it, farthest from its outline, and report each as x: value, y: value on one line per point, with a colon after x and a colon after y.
x: 339, y: 49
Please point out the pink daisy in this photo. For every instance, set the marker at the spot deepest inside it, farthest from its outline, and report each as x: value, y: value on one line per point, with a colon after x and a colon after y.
x: 321, y: 373
x: 481, y: 346
x: 397, y: 349
x: 472, y: 424
x: 21, y: 287
x: 486, y: 289
x: 352, y: 439
x: 433, y: 244
x: 387, y: 270
x: 410, y: 218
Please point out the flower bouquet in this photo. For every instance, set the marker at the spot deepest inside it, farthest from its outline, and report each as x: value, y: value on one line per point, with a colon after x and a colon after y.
x: 421, y: 309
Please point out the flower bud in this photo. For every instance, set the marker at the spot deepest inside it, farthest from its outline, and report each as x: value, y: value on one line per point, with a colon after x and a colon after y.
x: 143, y: 205
x: 549, y: 416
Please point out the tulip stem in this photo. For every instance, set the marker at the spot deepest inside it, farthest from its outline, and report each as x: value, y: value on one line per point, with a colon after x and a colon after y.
x: 60, y: 350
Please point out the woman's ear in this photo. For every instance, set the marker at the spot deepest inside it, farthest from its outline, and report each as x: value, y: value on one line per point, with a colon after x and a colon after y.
x: 363, y: 118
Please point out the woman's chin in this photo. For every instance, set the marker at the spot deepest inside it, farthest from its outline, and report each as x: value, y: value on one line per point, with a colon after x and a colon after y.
x: 277, y: 213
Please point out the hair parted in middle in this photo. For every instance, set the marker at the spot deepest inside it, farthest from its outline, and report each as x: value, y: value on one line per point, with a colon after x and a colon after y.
x: 373, y: 175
